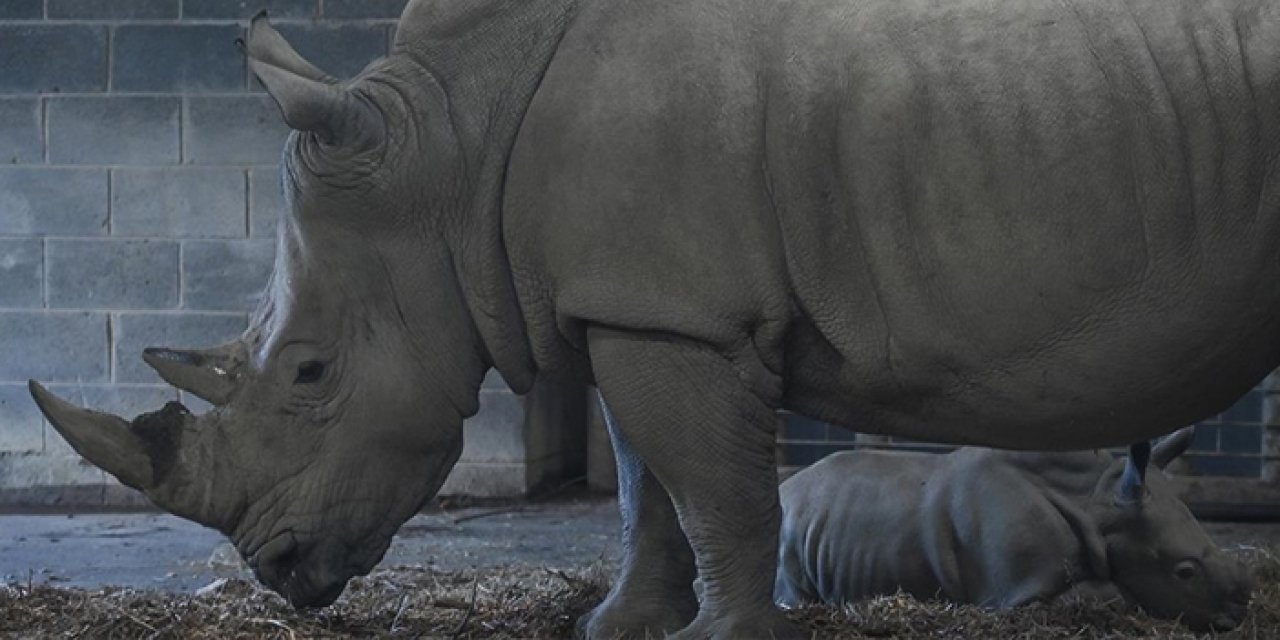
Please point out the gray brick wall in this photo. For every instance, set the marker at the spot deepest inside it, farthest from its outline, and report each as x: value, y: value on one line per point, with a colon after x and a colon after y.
x: 138, y: 198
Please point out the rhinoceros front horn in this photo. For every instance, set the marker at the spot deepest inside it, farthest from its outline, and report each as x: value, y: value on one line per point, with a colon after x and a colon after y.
x: 103, y: 439
x: 211, y: 374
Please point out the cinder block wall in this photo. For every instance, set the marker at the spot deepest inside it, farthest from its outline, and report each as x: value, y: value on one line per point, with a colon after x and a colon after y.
x: 138, y: 201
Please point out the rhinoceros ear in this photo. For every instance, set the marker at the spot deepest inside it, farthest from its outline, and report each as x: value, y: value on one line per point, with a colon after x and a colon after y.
x: 309, y: 99
x: 1172, y: 446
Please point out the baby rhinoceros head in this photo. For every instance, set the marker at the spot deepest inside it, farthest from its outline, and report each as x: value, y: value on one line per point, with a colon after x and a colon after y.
x: 1161, y: 557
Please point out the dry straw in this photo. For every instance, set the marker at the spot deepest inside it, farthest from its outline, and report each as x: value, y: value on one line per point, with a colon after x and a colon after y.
x: 529, y: 602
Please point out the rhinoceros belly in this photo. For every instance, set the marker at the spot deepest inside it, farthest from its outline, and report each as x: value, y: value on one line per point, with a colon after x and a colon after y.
x: 1041, y: 225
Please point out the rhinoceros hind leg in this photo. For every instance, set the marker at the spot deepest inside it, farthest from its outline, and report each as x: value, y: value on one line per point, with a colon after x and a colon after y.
x: 704, y: 425
x: 653, y: 595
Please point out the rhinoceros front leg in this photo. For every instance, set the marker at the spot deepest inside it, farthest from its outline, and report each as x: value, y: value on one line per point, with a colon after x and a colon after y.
x: 653, y: 595
x: 706, y: 431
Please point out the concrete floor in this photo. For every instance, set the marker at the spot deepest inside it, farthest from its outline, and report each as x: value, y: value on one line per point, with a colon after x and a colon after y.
x: 159, y: 551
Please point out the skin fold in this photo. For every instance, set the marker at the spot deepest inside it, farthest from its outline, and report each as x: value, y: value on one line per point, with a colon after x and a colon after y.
x: 1036, y: 224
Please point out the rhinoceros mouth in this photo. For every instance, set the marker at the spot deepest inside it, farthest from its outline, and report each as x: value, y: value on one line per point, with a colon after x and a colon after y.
x: 295, y: 569
x: 1224, y: 622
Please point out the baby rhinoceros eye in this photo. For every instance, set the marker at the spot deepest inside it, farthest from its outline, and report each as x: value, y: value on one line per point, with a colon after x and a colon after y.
x: 1185, y: 570
x: 309, y: 372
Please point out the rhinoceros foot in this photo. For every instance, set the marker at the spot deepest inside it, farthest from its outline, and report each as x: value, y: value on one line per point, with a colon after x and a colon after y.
x: 625, y: 617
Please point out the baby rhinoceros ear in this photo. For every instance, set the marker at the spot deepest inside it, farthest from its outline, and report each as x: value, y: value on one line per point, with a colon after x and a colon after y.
x: 309, y: 99
x: 1133, y: 481
x: 1132, y: 486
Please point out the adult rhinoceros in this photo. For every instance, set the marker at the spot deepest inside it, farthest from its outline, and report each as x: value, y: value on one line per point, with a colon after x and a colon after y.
x: 1002, y: 529
x: 1024, y: 224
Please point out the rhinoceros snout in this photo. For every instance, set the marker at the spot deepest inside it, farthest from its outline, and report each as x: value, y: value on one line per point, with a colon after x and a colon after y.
x: 298, y: 571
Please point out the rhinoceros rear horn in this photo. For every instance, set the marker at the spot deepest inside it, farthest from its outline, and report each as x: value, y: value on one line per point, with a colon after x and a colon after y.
x: 211, y: 374
x: 309, y: 99
x: 1172, y: 446
x: 101, y: 438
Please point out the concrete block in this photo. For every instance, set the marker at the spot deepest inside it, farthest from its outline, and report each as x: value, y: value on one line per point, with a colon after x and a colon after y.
x: 228, y: 275
x: 487, y: 480
x: 45, y: 472
x: 244, y: 9
x: 112, y: 9
x: 118, y: 496
x: 137, y: 331
x: 193, y: 403
x: 178, y: 202
x: 233, y: 130
x: 51, y: 58
x: 177, y: 57
x: 342, y: 50
x: 53, y: 346
x: 53, y: 200
x: 111, y: 274
x: 496, y: 433
x: 548, y: 471
x: 21, y: 269
x: 493, y: 380
x: 21, y: 134
x: 362, y: 8
x: 22, y: 10
x: 266, y: 202
x: 21, y: 425
x: 555, y: 422
x: 113, y: 130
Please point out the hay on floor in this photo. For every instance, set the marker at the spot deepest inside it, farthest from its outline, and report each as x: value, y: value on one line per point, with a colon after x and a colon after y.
x: 533, y: 602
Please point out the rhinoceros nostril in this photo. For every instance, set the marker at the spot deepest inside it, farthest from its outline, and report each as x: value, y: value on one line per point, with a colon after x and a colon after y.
x: 274, y: 562
x: 1224, y: 623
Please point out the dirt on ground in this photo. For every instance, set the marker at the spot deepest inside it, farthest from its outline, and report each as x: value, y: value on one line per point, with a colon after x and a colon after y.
x: 535, y: 602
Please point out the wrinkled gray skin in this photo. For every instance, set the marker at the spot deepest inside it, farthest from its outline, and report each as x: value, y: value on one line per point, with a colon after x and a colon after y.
x: 1032, y: 224
x: 1001, y: 529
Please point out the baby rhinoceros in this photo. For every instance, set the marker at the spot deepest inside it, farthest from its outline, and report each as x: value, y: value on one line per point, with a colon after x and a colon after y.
x: 1004, y: 528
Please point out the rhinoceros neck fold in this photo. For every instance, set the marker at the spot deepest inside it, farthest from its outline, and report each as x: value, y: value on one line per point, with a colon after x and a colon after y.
x: 489, y: 58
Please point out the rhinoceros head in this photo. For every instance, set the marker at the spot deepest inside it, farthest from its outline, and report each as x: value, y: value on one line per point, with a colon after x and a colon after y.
x: 1157, y: 552
x: 338, y: 412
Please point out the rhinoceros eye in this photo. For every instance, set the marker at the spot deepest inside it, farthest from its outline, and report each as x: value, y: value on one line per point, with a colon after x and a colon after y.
x: 1185, y: 570
x: 309, y: 372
